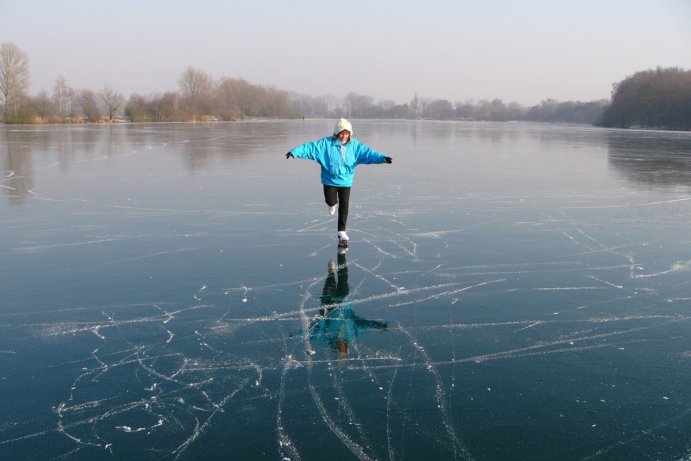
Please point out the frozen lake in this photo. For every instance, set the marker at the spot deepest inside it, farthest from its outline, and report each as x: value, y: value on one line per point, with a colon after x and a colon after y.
x: 512, y: 291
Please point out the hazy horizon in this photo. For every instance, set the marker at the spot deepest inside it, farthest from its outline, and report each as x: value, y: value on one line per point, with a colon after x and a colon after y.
x: 518, y: 52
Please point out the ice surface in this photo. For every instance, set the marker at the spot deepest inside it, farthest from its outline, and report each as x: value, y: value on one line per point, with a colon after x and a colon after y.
x: 511, y: 292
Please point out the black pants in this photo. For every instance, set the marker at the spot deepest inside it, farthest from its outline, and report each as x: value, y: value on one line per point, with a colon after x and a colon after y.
x: 336, y: 288
x: 338, y: 195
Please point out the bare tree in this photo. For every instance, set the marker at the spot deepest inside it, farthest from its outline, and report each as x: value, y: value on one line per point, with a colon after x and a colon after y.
x: 14, y: 78
x: 112, y: 99
x: 439, y: 109
x: 358, y: 105
x: 416, y: 106
x: 43, y: 106
x: 197, y: 88
x: 62, y: 97
x: 89, y: 106
x: 194, y: 82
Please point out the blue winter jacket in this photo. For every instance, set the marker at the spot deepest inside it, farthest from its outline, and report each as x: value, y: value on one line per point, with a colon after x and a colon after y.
x: 337, y: 161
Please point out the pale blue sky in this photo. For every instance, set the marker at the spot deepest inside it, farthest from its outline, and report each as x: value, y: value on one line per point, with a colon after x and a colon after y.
x: 523, y: 51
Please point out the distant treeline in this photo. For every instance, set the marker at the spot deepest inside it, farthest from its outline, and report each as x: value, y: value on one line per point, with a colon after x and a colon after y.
x: 496, y: 110
x: 655, y: 98
x: 200, y: 98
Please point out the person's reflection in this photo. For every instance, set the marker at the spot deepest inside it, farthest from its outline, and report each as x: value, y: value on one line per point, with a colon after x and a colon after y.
x: 337, y: 325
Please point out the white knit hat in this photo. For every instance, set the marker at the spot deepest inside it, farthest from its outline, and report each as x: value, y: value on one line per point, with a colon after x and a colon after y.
x: 343, y: 124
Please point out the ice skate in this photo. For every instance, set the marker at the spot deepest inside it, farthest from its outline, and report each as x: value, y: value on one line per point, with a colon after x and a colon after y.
x: 343, y: 239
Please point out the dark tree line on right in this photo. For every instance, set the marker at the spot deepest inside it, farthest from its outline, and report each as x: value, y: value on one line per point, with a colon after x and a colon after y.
x: 659, y: 98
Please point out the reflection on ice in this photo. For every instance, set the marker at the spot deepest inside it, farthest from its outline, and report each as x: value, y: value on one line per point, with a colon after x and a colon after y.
x: 655, y: 158
x: 336, y: 324
x: 494, y: 318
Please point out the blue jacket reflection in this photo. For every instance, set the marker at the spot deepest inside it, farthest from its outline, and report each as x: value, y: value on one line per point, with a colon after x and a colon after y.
x: 337, y: 325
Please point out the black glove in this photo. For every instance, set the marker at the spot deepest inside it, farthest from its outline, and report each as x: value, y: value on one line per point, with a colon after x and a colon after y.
x: 289, y: 155
x: 388, y: 159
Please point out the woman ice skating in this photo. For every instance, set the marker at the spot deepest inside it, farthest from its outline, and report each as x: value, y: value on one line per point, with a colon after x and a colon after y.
x: 338, y: 155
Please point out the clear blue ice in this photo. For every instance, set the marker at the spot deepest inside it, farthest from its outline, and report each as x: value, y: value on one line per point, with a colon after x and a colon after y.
x: 513, y: 291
